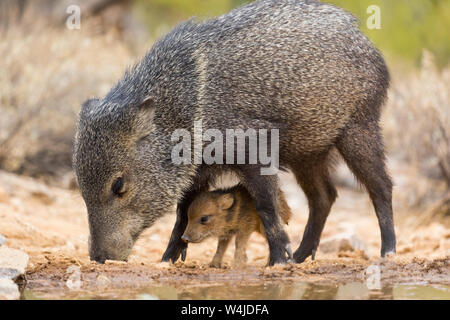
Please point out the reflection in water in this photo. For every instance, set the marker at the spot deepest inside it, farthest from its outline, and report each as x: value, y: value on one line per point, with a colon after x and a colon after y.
x: 320, y: 292
x: 256, y: 291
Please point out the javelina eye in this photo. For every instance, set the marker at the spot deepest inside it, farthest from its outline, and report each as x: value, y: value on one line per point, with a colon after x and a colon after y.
x: 205, y: 219
x: 117, y: 187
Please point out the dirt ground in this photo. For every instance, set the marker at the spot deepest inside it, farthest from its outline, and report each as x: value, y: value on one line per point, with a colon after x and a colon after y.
x: 50, y: 225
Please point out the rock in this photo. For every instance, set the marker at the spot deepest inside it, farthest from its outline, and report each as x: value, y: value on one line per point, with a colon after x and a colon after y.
x: 12, y: 263
x: 2, y: 240
x: 8, y: 290
x: 342, y: 242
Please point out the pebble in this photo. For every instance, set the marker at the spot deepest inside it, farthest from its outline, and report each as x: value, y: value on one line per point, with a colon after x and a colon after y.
x: 2, y: 240
x: 8, y: 290
x: 12, y: 263
x: 342, y: 242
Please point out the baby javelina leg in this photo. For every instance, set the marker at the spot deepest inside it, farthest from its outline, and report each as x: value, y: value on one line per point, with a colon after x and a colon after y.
x: 240, y: 256
x: 221, y: 248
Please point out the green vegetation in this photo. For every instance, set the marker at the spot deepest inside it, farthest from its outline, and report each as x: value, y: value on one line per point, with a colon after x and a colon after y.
x: 161, y: 15
x: 407, y: 26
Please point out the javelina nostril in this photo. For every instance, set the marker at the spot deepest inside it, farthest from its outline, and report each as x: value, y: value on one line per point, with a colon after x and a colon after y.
x: 185, y: 238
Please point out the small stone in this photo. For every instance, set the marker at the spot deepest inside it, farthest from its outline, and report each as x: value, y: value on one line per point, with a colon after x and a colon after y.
x: 12, y: 262
x: 342, y: 242
x: 2, y: 240
x: 8, y: 290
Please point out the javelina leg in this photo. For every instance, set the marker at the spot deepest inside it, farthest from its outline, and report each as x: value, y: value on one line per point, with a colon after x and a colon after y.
x: 240, y: 256
x: 362, y: 148
x: 264, y: 191
x: 315, y: 182
x: 176, y: 245
x: 221, y: 248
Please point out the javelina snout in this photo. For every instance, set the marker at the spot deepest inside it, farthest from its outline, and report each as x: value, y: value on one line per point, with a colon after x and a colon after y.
x: 109, y: 248
x: 196, y: 234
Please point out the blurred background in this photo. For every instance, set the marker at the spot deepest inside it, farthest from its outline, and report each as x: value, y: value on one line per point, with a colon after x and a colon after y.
x: 48, y: 70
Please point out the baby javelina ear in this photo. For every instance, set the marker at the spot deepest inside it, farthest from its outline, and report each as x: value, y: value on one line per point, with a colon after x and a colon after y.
x: 226, y: 201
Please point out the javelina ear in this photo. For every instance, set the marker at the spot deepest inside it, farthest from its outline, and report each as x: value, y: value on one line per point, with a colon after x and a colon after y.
x: 89, y: 104
x: 226, y: 201
x: 148, y: 102
x: 145, y: 111
x: 144, y: 120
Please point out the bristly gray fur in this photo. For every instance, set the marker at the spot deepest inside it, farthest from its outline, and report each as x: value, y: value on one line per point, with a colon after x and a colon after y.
x: 300, y: 66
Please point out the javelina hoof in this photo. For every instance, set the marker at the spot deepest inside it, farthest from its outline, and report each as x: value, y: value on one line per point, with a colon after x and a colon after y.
x: 301, y: 254
x: 173, y: 252
x: 278, y: 257
x: 183, y: 254
x: 388, y: 246
x: 273, y: 262
x: 289, y: 251
x: 388, y: 254
x: 281, y: 255
x: 215, y: 264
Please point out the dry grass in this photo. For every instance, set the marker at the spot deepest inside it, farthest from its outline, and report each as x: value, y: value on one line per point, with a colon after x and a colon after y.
x: 47, y: 72
x: 419, y: 115
x: 416, y: 124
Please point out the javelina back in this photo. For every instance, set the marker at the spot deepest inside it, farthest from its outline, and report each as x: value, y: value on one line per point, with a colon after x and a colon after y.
x: 225, y: 213
x: 302, y: 67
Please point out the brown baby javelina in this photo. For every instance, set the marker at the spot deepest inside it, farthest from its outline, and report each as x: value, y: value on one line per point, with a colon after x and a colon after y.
x: 224, y: 213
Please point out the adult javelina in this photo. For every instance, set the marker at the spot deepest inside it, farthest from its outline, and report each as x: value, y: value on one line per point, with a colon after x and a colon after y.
x: 300, y: 66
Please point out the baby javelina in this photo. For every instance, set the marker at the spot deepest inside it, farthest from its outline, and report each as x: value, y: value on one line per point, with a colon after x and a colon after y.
x: 225, y: 213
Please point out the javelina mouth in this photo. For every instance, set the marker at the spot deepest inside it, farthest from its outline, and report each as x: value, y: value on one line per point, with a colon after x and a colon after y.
x: 102, y: 260
x: 188, y: 239
x: 99, y: 259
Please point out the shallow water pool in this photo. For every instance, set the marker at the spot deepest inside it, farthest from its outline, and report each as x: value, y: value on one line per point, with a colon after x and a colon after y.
x: 253, y: 291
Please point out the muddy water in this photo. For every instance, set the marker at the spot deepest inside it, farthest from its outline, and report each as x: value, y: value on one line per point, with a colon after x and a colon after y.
x: 255, y: 291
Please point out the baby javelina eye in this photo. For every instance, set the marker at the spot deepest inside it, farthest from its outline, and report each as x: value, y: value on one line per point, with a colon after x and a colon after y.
x: 117, y: 187
x: 205, y: 219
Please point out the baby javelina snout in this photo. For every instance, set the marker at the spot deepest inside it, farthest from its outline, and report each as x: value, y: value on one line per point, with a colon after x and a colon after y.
x: 225, y: 213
